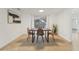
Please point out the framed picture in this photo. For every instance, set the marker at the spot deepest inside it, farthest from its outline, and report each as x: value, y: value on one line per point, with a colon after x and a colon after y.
x: 13, y: 17
x: 40, y: 21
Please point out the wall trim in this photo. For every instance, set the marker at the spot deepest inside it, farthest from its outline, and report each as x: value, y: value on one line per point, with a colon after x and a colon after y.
x: 9, y: 41
x: 65, y: 38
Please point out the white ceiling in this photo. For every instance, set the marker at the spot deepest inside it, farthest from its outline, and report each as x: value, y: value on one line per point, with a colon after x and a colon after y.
x: 47, y: 11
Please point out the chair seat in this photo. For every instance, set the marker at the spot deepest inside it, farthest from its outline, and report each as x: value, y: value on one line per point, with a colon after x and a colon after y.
x: 31, y: 33
x: 51, y: 33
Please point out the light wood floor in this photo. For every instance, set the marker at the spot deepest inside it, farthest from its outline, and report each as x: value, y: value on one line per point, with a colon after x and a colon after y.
x: 22, y: 44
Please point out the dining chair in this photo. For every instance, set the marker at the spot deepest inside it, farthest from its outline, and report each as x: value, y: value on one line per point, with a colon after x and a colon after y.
x: 29, y: 33
x: 52, y: 34
x: 40, y: 32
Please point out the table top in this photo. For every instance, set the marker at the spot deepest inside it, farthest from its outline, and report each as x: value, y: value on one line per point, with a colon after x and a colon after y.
x: 34, y: 29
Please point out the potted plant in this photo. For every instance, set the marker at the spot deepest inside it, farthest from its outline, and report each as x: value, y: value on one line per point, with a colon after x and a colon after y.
x: 55, y: 29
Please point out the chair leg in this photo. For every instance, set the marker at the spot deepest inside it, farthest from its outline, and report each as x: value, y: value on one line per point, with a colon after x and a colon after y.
x: 47, y: 38
x: 53, y: 38
x: 37, y: 39
x: 42, y: 38
x: 32, y: 39
x: 28, y: 37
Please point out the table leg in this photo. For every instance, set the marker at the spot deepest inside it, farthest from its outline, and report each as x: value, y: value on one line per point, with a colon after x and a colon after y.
x: 33, y: 36
x: 47, y: 36
x: 53, y: 38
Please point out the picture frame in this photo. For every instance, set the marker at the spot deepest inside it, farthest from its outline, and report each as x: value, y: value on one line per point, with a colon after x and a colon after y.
x: 13, y: 17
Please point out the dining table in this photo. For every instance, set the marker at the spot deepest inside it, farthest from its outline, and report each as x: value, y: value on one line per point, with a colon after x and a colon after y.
x: 46, y: 31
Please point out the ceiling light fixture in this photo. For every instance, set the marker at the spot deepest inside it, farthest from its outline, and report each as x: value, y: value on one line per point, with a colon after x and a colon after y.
x: 41, y: 10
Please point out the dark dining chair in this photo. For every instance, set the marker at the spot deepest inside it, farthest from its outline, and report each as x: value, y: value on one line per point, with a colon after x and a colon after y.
x: 40, y: 32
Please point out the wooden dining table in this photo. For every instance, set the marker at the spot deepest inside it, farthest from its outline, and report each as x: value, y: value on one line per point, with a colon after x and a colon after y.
x: 46, y: 31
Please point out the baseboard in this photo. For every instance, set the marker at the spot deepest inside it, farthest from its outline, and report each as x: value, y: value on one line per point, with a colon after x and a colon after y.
x: 9, y: 41
x: 65, y: 38
x: 6, y: 43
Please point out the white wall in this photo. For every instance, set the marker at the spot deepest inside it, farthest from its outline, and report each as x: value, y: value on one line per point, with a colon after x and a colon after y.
x: 8, y: 32
x: 65, y: 24
x: 51, y: 20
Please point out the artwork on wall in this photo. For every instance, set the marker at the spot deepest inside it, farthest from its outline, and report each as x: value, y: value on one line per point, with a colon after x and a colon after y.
x: 13, y: 17
x: 40, y: 21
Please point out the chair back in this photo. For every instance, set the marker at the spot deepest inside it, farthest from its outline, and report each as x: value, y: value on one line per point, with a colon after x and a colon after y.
x: 40, y: 31
x: 29, y: 32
